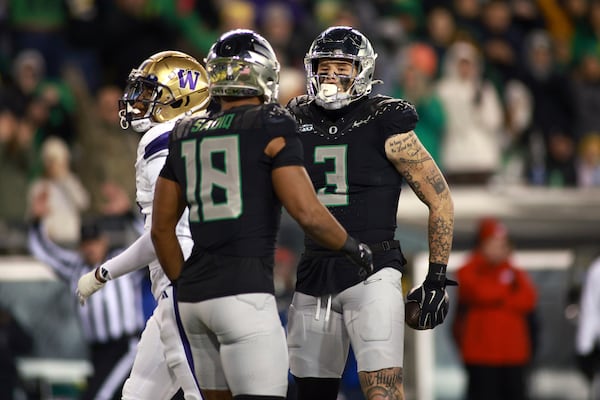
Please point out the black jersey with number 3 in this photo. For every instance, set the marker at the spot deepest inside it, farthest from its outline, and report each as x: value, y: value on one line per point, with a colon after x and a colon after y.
x: 225, y: 176
x: 344, y: 153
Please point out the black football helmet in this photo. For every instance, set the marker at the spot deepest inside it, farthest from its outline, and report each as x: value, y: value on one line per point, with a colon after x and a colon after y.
x: 340, y: 42
x: 243, y: 64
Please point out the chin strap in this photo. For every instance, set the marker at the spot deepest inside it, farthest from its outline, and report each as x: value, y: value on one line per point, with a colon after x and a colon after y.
x: 123, y: 120
x: 142, y: 125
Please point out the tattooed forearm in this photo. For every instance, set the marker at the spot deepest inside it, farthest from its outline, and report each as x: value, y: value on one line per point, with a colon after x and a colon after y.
x: 440, y: 237
x: 415, y: 186
x: 385, y: 384
x: 431, y: 189
x: 436, y: 180
x: 433, y: 179
x: 424, y: 177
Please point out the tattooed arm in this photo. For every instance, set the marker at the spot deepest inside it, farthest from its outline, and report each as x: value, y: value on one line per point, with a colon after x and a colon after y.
x: 415, y: 164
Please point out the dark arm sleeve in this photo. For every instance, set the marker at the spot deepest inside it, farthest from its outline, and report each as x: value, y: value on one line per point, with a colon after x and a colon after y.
x: 181, y: 128
x: 167, y: 170
x: 291, y: 154
x: 280, y: 123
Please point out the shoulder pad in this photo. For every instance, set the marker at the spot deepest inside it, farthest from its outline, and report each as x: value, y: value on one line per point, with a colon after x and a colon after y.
x: 383, y: 104
x: 298, y: 102
x: 392, y: 115
x: 275, y: 112
x: 278, y: 121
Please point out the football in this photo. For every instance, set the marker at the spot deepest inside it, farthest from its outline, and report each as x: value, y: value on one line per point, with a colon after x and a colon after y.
x: 412, y: 313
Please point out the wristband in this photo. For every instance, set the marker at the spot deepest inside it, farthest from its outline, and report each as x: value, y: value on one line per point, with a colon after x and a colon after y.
x: 436, y: 274
x: 103, y: 275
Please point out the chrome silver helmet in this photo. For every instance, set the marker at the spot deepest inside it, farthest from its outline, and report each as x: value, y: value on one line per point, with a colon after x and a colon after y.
x: 243, y: 64
x: 346, y: 43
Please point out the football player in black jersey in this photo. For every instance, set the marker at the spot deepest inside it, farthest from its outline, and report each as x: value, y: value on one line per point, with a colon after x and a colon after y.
x: 234, y: 169
x: 358, y: 151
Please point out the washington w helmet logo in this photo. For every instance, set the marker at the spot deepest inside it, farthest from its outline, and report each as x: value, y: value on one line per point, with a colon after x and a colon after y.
x: 188, y: 77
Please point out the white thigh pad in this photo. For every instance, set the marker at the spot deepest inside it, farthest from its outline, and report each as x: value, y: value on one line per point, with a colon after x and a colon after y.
x: 317, y: 340
x: 374, y: 318
x: 247, y: 332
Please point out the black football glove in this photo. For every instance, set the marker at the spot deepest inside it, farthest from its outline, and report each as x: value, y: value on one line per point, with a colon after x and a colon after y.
x: 361, y: 255
x: 432, y: 297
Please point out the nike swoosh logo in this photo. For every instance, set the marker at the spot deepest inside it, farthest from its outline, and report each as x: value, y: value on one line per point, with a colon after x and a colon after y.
x: 369, y: 281
x: 432, y: 296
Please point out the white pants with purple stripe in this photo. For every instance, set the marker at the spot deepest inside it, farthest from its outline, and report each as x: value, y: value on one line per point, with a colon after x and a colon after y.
x: 161, y: 366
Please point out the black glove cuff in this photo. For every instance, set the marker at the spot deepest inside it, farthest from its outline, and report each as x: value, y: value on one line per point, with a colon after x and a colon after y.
x: 350, y: 246
x: 436, y: 274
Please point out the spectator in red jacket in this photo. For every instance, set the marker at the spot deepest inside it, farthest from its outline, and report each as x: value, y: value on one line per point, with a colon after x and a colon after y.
x: 492, y: 329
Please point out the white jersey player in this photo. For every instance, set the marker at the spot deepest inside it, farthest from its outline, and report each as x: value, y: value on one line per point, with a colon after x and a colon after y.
x: 166, y: 86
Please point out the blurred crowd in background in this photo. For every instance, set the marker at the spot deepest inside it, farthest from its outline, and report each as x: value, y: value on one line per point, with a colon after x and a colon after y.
x: 508, y: 92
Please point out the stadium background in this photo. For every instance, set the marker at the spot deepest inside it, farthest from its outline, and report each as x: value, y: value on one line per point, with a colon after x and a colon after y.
x: 554, y: 221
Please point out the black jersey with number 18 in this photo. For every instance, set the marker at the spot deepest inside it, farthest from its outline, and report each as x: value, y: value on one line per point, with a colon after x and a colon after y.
x: 225, y: 176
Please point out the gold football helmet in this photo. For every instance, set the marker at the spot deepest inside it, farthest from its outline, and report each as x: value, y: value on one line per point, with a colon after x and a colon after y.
x: 165, y: 86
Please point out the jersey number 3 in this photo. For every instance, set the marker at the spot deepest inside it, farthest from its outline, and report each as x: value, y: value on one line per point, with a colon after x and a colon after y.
x: 335, y: 191
x: 225, y: 179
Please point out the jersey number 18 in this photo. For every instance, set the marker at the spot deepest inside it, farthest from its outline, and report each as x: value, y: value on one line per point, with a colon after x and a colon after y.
x: 203, y: 206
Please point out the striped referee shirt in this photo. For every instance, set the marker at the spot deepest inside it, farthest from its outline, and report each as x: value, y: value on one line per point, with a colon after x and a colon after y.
x: 113, y: 312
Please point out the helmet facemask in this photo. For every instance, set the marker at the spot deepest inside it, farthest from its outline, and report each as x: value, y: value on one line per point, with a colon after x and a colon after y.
x: 344, y: 44
x: 337, y: 94
x: 137, y: 105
